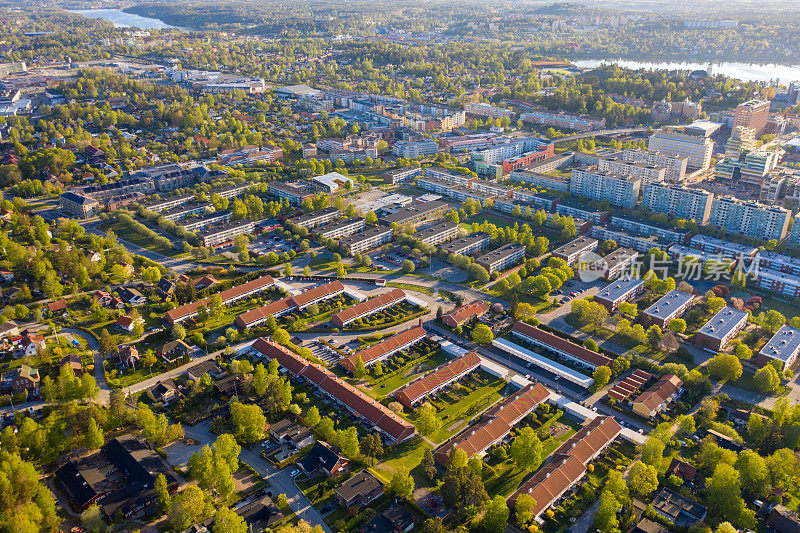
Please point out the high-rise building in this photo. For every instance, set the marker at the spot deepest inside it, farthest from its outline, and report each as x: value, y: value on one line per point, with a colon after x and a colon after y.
x: 749, y: 171
x: 742, y: 140
x: 675, y: 165
x: 697, y: 149
x: 645, y: 172
x: 620, y: 191
x: 752, y: 114
x: 750, y: 218
x: 794, y: 93
x: 677, y: 201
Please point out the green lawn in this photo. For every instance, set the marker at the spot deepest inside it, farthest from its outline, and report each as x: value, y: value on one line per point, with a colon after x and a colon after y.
x: 745, y: 382
x: 457, y: 408
x: 384, y: 385
x: 480, y: 218
x: 410, y: 287
x: 125, y: 233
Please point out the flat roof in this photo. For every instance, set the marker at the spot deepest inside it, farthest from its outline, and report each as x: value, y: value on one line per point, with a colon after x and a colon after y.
x: 501, y: 253
x: 728, y: 245
x: 435, y: 230
x: 620, y: 256
x: 576, y: 245
x: 668, y: 304
x: 644, y: 222
x: 411, y: 211
x: 685, y: 251
x: 779, y: 258
x: 337, y: 224
x: 541, y: 361
x: 213, y: 230
x: 366, y: 234
x: 307, y: 217
x: 725, y: 321
x: 782, y: 345
x: 463, y: 242
x: 619, y: 288
x: 574, y: 204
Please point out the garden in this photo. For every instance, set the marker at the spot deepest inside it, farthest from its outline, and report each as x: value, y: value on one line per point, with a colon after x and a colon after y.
x: 392, y: 316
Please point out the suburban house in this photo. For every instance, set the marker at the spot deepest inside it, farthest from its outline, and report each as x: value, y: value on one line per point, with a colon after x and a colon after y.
x: 361, y: 489
x: 128, y: 355
x: 395, y: 519
x: 656, y: 398
x: 465, y: 313
x: 165, y: 288
x: 131, y: 296
x: 128, y: 323
x: 164, y: 391
x: 682, y: 470
x: 322, y: 458
x: 260, y: 514
x: 25, y: 379
x: 7, y: 276
x: 289, y: 432
x: 678, y: 509
x: 174, y: 350
x: 782, y: 520
x: 206, y: 367
x: 204, y: 282
x: 9, y: 329
x: 31, y: 344
x: 57, y: 308
x: 73, y: 360
x: 227, y: 386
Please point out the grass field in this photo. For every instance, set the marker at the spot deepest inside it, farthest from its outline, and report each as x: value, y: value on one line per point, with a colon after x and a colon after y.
x: 125, y: 233
x: 480, y: 218
x: 383, y: 386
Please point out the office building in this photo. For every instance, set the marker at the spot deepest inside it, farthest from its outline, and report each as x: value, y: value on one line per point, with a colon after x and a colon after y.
x: 367, y: 239
x: 675, y: 165
x: 782, y: 347
x: 620, y: 191
x: 671, y: 305
x: 749, y: 218
x: 502, y: 258
x: 696, y: 149
x: 316, y: 218
x: 414, y: 214
x: 749, y: 172
x: 752, y: 114
x: 678, y: 202
x: 437, y: 234
x: 645, y: 172
x: 468, y: 245
x: 622, y: 290
x: 741, y: 141
x: 217, y: 235
x: 341, y: 228
x: 79, y: 206
x: 573, y: 251
x: 721, y: 328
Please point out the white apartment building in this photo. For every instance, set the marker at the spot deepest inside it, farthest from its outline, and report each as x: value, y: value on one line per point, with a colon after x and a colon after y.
x: 675, y: 165
x: 341, y: 228
x: 620, y: 191
x: 412, y: 149
x: 677, y: 201
x: 697, y: 150
x: 645, y: 172
x: 368, y: 239
x: 750, y: 218
x: 228, y: 232
x: 486, y: 110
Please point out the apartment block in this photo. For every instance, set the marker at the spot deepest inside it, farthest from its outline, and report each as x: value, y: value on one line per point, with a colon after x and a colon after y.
x: 449, y: 176
x: 415, y: 213
x: 794, y: 235
x: 646, y: 173
x: 778, y: 262
x: 294, y: 192
x: 617, y: 262
x: 675, y: 165
x: 316, y: 218
x: 750, y: 218
x: 468, y: 245
x: 724, y: 326
x: 564, y: 121
x: 447, y: 188
x: 542, y: 181
x: 750, y: 171
x: 622, y: 290
x: 641, y: 242
x: 671, y: 305
x: 728, y: 249
x: 786, y: 285
x: 79, y: 206
x: 367, y: 239
x: 537, y: 200
x: 169, y: 203
x: 573, y: 251
x: 226, y: 233
x: 437, y: 234
x: 493, y: 189
x: 502, y: 258
x: 573, y: 208
x: 639, y: 225
x: 394, y: 177
x: 696, y: 149
x: 412, y: 149
x: 206, y: 221
x: 782, y: 347
x: 620, y: 191
x: 486, y: 110
x: 183, y: 211
x: 341, y: 228
x: 678, y: 202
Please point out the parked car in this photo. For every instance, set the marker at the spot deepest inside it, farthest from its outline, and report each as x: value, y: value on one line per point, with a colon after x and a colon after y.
x: 295, y: 472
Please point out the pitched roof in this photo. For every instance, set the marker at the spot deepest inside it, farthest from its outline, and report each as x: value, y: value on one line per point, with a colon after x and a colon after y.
x: 659, y: 392
x: 575, y: 350
x: 318, y: 293
x: 465, y: 312
x: 226, y: 295
x: 368, y: 306
x: 442, y: 375
x: 682, y: 469
x: 379, y: 415
x: 362, y: 484
x: 261, y: 313
x: 58, y: 305
x: 496, y: 422
x: 376, y: 351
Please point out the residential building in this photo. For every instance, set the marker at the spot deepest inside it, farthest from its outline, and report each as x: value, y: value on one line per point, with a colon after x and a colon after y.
x: 794, y: 236
x: 169, y: 203
x: 779, y: 263
x: 79, y: 205
x: 375, y: 413
x: 486, y: 110
x: 187, y: 210
x: 458, y: 193
x: 749, y: 172
x: 568, y: 465
x: 645, y: 172
x: 316, y: 218
x: 641, y: 242
x: 412, y: 149
x: 620, y: 191
x: 573, y: 208
x: 393, y: 177
x: 289, y: 432
x: 368, y: 307
x: 205, y: 367
x: 103, y: 192
x: 675, y: 164
x: 24, y: 378
x: 671, y: 305
x: 259, y: 515
x: 741, y: 141
x: 294, y: 192
x: 628, y: 386
x: 234, y: 294
x: 168, y: 176
x: 416, y: 213
x: 684, y: 471
x: 721, y: 328
x: 495, y: 424
x: 786, y: 285
x: 656, y: 398
x: 551, y: 343
x: 367, y: 239
x: 782, y: 347
x: 662, y: 231
x: 164, y: 391
x: 119, y: 477
x: 322, y: 458
x: 563, y: 120
x: 468, y: 245
x: 216, y: 235
x: 332, y: 182
x: 782, y: 520
x: 396, y: 519
x: 622, y: 290
x: 438, y: 379
x: 750, y: 218
x: 573, y: 251
x: 250, y: 154
x: 678, y: 201
x: 696, y: 149
x: 449, y: 176
x: 752, y: 114
x: 615, y: 263
x: 492, y: 189
x: 384, y: 349
x: 437, y: 234
x: 256, y: 317
x: 361, y: 489
x: 712, y: 245
x: 502, y: 258
x: 199, y: 223
x: 542, y: 181
x: 678, y: 509
x: 537, y: 200
x: 463, y: 314
x: 174, y: 350
x: 509, y: 154
x: 341, y: 228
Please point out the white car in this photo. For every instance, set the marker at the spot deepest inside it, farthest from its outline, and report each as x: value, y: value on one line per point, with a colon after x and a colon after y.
x: 295, y: 472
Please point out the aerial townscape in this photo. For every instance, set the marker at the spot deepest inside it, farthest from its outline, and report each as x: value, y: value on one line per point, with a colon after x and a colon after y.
x: 431, y: 267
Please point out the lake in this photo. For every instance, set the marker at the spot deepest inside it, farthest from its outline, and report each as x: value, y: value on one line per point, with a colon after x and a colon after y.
x: 120, y: 19
x: 740, y: 71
